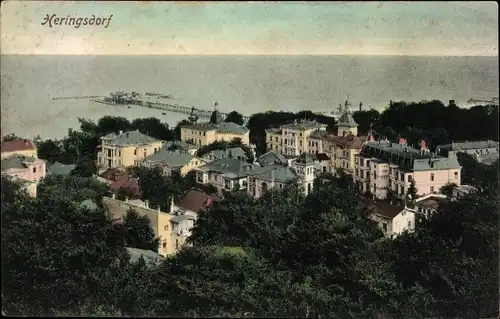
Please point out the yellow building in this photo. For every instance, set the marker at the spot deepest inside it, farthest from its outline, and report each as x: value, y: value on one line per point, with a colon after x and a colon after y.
x: 343, y: 147
x: 160, y: 221
x: 169, y: 161
x: 296, y: 138
x: 125, y: 149
x: 201, y: 134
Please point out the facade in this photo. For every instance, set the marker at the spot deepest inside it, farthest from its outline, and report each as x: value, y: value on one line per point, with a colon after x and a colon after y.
x: 296, y: 138
x: 185, y: 213
x: 125, y: 149
x: 22, y: 147
x: 224, y: 174
x: 346, y: 145
x: 383, y: 166
x: 202, y: 134
x: 383, y: 213
x: 485, y: 152
x: 304, y: 167
x: 261, y: 179
x: 406, y: 220
x: 169, y: 161
x: 28, y: 170
x: 160, y: 221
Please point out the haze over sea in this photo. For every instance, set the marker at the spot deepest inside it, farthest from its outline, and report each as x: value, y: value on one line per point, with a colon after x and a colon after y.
x: 247, y: 84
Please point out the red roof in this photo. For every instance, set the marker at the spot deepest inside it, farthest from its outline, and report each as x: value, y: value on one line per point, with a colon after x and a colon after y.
x: 383, y: 209
x: 126, y: 182
x: 17, y: 146
x: 196, y: 201
x: 349, y: 141
x: 113, y: 174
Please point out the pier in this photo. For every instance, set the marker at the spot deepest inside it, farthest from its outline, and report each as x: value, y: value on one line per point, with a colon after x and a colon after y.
x: 150, y: 100
x: 167, y: 107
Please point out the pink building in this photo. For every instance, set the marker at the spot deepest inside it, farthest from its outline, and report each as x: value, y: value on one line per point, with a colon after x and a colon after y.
x: 382, y: 165
x: 19, y: 160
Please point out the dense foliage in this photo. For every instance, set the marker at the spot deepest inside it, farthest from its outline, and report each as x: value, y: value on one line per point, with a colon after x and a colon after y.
x: 282, y: 255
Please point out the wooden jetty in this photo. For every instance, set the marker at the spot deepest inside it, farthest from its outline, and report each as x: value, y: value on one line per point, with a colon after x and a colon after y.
x: 166, y: 107
x: 76, y: 97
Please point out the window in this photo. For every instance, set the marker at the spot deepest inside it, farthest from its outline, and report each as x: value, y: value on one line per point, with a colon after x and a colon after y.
x: 34, y: 169
x: 409, y: 178
x: 384, y: 227
x: 432, y: 189
x: 165, y: 228
x: 409, y: 224
x: 145, y: 154
x: 432, y: 176
x: 135, y: 152
x: 164, y: 244
x: 176, y: 244
x: 456, y: 175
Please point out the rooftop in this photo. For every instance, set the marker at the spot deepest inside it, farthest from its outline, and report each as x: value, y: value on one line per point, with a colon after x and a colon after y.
x: 473, y: 145
x: 222, y: 127
x: 349, y: 141
x: 431, y: 202
x: 17, y: 162
x: 235, y: 152
x: 150, y: 257
x: 303, y: 125
x: 306, y: 159
x: 89, y: 204
x: 322, y: 157
x: 383, y: 209
x: 276, y: 173
x: 17, y: 146
x: 271, y: 158
x: 129, y: 138
x: 229, y: 167
x: 180, y: 218
x: 176, y: 158
x: 196, y: 201
x: 407, y: 157
x: 60, y: 169
x: 183, y: 145
x: 318, y: 134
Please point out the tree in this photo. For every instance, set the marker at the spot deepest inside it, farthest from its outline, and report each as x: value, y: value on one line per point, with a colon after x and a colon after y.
x: 412, y: 192
x: 139, y: 232
x: 234, y: 117
x: 462, y: 237
x: 447, y: 189
x: 85, y: 167
x: 53, y: 252
x: 10, y: 137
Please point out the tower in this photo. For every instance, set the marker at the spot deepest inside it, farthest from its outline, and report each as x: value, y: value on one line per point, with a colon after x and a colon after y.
x: 216, y: 117
x: 193, y: 118
x: 304, y: 166
x: 346, y: 124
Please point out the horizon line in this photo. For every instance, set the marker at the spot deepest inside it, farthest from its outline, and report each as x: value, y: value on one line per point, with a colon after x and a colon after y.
x: 249, y: 54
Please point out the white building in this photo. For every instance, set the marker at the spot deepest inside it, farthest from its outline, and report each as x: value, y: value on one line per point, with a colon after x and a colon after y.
x: 406, y: 220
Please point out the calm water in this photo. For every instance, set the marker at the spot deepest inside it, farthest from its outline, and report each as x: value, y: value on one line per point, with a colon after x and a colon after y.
x: 243, y: 83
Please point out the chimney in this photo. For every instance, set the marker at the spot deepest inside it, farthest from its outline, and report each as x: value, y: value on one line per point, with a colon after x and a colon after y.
x: 121, y: 132
x: 26, y: 141
x: 146, y: 203
x: 126, y: 199
x: 159, y: 208
x: 113, y: 196
x: 127, y: 134
x: 360, y: 106
x: 171, y: 204
x: 390, y: 103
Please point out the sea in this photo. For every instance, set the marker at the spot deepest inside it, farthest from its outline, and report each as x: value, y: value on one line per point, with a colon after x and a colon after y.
x: 247, y: 84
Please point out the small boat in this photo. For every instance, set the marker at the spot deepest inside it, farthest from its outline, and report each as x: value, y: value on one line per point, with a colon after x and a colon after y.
x: 164, y: 113
x: 129, y: 107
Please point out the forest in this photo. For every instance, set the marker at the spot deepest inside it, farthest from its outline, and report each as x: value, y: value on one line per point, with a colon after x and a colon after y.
x: 282, y: 255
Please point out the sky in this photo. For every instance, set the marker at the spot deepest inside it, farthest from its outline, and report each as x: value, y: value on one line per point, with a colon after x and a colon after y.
x: 253, y: 28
